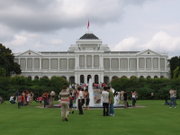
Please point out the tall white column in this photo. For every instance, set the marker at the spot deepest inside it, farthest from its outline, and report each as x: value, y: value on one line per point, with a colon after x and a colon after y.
x: 67, y: 64
x: 151, y: 63
x: 165, y: 64
x: 137, y: 64
x: 49, y: 63
x: 119, y: 64
x: 110, y: 63
x: 159, y: 68
x: 26, y: 64
x: 58, y: 64
x: 128, y: 64
x: 101, y: 61
x: 40, y: 64
x: 77, y: 79
x: 145, y: 63
x: 92, y: 61
x: 77, y: 62
x: 101, y: 78
x: 32, y: 64
x: 85, y: 79
x: 85, y: 62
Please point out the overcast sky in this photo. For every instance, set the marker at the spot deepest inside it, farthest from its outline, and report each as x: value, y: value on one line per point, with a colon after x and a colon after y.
x: 125, y: 25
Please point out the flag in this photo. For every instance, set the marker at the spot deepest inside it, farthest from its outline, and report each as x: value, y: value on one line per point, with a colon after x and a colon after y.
x: 88, y: 25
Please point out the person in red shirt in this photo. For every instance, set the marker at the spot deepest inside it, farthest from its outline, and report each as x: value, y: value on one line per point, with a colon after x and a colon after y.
x: 20, y: 100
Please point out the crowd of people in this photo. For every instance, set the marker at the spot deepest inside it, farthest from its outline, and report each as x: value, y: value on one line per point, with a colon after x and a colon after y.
x: 69, y: 97
x: 80, y: 97
x: 22, y: 98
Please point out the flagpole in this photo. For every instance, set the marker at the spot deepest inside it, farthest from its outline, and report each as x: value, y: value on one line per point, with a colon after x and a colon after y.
x: 88, y: 24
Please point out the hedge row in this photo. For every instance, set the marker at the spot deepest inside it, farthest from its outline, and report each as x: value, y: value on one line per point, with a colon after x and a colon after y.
x: 159, y: 87
x: 144, y: 87
x: 10, y: 85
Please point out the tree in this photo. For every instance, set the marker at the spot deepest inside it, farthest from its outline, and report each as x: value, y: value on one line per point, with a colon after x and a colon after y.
x: 57, y: 83
x: 7, y: 61
x: 174, y: 63
x: 2, y: 72
x: 176, y: 73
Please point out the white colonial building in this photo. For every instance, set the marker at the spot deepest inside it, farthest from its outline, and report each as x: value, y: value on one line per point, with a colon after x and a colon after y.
x: 89, y: 58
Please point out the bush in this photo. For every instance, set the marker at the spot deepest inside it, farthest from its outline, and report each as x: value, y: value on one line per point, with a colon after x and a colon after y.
x: 144, y: 87
x: 10, y: 85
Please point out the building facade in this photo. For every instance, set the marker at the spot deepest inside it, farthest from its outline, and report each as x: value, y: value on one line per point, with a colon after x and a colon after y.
x: 89, y: 58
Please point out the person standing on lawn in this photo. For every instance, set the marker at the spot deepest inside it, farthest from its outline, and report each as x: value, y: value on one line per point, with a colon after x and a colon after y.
x: 172, y: 98
x: 125, y: 99
x: 19, y: 100
x: 134, y: 97
x: 64, y: 98
x: 111, y: 102
x: 80, y: 100
x: 105, y: 101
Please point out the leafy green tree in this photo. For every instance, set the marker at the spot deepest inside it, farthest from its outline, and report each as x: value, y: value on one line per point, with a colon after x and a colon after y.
x: 57, y: 83
x: 120, y: 83
x: 5, y: 91
x: 7, y: 61
x: 2, y: 72
x: 174, y: 63
x: 20, y: 83
x: 176, y: 72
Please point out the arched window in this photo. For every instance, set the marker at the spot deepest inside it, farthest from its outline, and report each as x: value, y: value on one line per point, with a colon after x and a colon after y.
x: 162, y: 76
x: 72, y: 79
x: 36, y: 77
x: 88, y: 77
x: 155, y: 76
x: 81, y: 78
x: 124, y: 76
x: 148, y: 77
x: 45, y: 77
x: 114, y: 77
x: 106, y: 79
x: 96, y: 79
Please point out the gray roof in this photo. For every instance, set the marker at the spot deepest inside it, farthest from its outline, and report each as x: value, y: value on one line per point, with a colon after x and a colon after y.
x: 122, y: 52
x: 89, y: 36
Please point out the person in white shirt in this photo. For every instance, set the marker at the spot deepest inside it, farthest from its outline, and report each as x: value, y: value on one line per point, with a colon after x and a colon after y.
x: 134, y: 97
x: 105, y: 101
x: 80, y: 100
x: 12, y: 100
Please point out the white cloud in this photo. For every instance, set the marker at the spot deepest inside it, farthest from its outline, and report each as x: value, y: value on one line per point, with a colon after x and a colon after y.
x: 56, y: 41
x: 22, y: 39
x: 160, y: 42
x: 130, y: 43
x: 33, y: 41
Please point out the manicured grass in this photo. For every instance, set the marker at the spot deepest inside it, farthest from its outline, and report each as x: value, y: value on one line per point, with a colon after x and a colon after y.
x: 154, y: 119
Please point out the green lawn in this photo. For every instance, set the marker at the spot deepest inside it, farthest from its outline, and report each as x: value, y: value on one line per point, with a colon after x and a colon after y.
x: 154, y: 119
